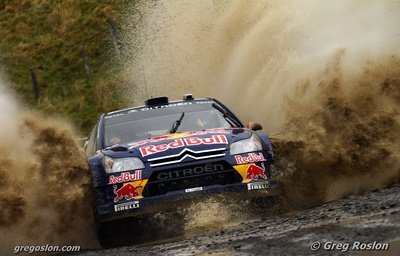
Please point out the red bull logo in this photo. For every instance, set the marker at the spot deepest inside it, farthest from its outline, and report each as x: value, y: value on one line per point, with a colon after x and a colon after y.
x: 179, y: 143
x: 250, y: 158
x: 125, y: 177
x: 177, y: 136
x: 127, y: 191
x: 254, y: 172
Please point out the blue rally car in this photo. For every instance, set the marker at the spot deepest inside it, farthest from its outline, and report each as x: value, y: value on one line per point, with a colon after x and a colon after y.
x: 162, y: 154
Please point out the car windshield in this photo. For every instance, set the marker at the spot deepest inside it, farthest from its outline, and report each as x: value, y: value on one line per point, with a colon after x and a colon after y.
x: 145, y: 123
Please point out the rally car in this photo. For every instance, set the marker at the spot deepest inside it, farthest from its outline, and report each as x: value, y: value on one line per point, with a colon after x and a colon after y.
x: 162, y: 154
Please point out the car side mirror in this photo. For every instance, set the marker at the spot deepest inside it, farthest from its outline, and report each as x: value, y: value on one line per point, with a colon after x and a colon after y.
x: 83, y: 142
x: 85, y: 145
x: 253, y: 126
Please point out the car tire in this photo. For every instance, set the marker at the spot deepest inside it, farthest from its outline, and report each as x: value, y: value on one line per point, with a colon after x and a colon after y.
x: 137, y: 230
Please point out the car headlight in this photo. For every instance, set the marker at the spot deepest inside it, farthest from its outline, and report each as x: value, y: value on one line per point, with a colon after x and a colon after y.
x: 248, y: 145
x: 112, y: 165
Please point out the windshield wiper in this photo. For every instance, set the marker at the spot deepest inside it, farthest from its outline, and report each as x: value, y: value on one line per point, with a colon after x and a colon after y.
x: 230, y: 119
x: 177, y: 123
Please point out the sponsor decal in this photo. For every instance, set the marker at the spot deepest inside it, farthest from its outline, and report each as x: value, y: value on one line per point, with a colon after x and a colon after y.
x: 114, y: 115
x: 204, y: 102
x: 177, y: 136
x: 175, y: 105
x: 250, y: 158
x: 257, y: 185
x: 167, y: 106
x: 254, y: 172
x: 190, y: 171
x: 188, y: 190
x: 125, y: 177
x: 130, y: 190
x: 126, y: 206
x: 178, y: 143
x: 127, y: 191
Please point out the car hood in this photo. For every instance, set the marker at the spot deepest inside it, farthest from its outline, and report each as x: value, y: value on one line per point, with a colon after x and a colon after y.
x: 170, y: 145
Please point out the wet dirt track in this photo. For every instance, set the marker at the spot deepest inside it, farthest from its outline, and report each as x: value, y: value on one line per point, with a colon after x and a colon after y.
x: 373, y: 216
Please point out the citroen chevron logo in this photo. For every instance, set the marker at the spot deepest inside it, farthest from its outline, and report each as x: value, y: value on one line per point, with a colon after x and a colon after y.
x: 185, y: 153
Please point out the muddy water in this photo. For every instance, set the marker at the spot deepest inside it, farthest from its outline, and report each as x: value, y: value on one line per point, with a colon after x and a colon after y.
x: 45, y: 190
x: 322, y: 77
x: 367, y: 218
x: 348, y: 140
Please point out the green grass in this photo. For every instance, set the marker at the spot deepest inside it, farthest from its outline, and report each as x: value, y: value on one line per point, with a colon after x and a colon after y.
x: 49, y: 33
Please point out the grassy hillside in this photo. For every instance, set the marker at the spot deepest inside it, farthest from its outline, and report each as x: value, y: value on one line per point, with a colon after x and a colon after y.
x: 49, y: 34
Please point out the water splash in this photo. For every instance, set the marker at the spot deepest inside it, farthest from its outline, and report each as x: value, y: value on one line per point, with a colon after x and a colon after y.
x: 45, y: 187
x: 321, y: 75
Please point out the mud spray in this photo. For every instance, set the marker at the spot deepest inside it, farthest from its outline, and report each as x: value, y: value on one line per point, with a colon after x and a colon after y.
x: 323, y: 77
x: 44, y: 183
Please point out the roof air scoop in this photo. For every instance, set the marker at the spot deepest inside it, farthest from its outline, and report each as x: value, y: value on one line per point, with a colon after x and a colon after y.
x: 188, y: 96
x: 154, y: 102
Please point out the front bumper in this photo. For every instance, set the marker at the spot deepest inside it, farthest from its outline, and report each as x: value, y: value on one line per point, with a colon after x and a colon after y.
x: 180, y: 198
